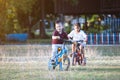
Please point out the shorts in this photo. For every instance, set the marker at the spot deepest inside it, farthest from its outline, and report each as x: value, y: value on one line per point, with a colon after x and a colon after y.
x: 55, y: 48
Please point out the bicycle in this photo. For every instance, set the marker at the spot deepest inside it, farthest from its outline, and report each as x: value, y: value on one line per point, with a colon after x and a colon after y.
x: 77, y: 56
x: 61, y: 59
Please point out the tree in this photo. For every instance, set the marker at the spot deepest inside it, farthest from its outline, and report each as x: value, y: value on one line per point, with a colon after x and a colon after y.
x: 32, y: 11
x: 24, y: 10
x: 40, y: 10
x: 10, y: 14
x: 3, y: 6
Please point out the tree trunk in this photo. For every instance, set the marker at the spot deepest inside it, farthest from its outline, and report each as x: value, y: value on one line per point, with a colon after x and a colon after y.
x: 42, y: 25
x: 30, y: 26
x: 86, y: 26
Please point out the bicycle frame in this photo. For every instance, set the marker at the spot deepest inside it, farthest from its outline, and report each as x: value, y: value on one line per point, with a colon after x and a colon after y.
x: 77, y: 56
x: 58, y: 58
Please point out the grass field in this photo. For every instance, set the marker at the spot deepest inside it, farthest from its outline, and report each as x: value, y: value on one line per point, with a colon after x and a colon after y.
x: 29, y: 62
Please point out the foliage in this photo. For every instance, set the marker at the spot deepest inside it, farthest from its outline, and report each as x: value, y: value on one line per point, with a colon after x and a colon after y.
x: 2, y: 18
x: 97, y: 28
x: 94, y: 24
x: 67, y: 27
x: 10, y: 16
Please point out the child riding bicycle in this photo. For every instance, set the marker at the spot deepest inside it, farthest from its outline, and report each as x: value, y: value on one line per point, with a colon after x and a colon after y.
x: 57, y: 38
x: 77, y: 34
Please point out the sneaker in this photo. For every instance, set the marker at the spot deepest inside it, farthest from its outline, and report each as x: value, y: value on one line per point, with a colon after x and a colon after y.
x: 71, y: 55
x: 53, y: 62
x: 84, y: 61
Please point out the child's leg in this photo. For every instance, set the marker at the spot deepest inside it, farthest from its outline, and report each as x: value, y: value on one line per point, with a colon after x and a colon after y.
x: 73, y: 48
x: 84, y: 59
x: 81, y: 52
x: 60, y: 66
x: 54, y: 50
x: 83, y: 55
x: 73, y: 53
x: 75, y: 60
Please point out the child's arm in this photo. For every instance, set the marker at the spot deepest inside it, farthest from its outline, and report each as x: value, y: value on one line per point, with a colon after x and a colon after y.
x: 55, y: 37
x: 70, y: 35
x: 85, y: 37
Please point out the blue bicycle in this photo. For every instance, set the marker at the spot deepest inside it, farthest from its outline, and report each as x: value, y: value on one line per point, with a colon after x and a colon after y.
x: 61, y: 59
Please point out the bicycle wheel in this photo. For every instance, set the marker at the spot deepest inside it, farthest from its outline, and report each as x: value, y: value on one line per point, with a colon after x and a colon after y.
x: 51, y: 65
x: 84, y: 60
x: 66, y: 63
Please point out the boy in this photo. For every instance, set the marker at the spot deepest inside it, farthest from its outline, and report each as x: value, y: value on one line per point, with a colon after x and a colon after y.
x: 57, y: 37
x: 78, y: 34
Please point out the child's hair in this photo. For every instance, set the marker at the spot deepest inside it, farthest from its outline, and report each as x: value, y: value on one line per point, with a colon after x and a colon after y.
x: 57, y: 21
x: 77, y: 24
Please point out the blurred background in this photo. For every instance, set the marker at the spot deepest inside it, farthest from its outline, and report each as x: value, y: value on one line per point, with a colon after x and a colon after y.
x: 32, y: 21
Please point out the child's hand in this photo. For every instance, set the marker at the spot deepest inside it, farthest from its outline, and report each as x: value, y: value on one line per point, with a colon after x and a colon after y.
x: 85, y: 40
x: 55, y: 37
x: 58, y: 37
x: 70, y: 38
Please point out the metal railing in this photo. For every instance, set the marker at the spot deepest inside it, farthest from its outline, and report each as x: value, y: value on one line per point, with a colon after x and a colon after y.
x: 113, y: 23
x: 104, y: 38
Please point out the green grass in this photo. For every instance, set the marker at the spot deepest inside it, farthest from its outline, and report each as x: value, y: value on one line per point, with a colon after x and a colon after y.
x: 39, y: 41
x: 29, y: 62
x: 34, y: 71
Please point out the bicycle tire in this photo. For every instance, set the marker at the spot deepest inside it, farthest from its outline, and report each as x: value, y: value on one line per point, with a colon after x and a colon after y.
x: 66, y: 63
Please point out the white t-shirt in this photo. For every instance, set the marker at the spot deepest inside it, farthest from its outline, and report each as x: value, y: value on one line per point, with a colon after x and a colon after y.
x: 77, y: 36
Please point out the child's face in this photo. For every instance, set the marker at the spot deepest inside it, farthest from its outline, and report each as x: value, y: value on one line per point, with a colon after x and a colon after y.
x: 76, y: 28
x: 58, y: 27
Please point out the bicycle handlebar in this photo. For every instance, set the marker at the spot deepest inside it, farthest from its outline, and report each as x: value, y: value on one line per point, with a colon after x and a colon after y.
x: 73, y: 41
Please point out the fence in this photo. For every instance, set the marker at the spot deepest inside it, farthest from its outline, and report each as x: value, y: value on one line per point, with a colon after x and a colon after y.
x: 114, y: 24
x: 108, y: 38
